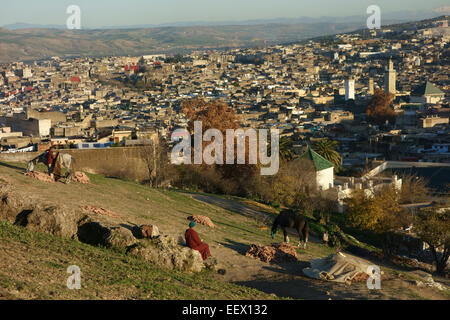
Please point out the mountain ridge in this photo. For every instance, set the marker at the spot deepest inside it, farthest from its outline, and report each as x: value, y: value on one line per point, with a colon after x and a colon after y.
x: 37, y: 44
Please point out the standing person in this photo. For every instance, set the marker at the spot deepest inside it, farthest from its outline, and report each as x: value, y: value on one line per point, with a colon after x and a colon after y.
x: 51, y: 155
x: 194, y: 242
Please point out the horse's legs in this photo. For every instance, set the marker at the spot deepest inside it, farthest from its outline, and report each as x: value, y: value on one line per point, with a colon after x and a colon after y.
x: 286, y: 238
x: 305, y: 234
x: 303, y: 231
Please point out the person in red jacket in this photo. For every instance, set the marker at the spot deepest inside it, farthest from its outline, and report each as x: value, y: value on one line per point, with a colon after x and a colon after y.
x: 193, y: 241
x: 51, y: 159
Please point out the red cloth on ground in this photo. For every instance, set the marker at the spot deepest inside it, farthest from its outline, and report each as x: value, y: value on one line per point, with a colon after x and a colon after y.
x: 193, y: 241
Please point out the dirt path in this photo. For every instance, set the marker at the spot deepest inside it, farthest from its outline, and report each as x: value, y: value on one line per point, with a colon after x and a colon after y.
x: 288, y: 280
x: 229, y: 205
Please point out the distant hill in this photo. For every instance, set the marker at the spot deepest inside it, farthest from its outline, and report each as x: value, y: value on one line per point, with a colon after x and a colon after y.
x: 41, y: 43
x: 32, y: 44
x: 21, y: 25
x: 388, y: 18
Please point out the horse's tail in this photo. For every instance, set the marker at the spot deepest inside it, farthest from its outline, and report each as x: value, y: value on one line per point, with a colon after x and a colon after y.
x: 275, y: 226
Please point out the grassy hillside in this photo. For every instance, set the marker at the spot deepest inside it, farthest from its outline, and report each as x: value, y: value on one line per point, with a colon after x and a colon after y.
x: 33, y: 265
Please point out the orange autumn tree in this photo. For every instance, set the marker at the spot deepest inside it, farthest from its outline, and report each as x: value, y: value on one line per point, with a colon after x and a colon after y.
x: 213, y: 114
x: 219, y: 115
x: 379, y: 109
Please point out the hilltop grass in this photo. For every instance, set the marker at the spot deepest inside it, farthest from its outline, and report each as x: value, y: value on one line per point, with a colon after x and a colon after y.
x: 39, y: 264
x: 33, y: 265
x: 157, y: 205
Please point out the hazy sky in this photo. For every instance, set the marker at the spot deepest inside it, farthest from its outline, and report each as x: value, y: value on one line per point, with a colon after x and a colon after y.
x: 96, y: 13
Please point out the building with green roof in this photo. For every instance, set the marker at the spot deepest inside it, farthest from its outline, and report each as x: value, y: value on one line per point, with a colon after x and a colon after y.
x: 427, y: 93
x: 324, y: 169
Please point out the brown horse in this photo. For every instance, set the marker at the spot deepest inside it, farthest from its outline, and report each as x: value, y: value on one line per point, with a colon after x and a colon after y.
x: 291, y: 219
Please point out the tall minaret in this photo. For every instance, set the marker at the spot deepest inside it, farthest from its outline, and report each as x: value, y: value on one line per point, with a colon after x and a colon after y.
x: 371, y: 86
x: 390, y: 77
x: 350, y: 89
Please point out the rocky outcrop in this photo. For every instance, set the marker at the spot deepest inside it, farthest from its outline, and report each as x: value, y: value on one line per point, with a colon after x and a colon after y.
x: 120, y: 237
x: 165, y: 252
x: 56, y: 220
x: 37, y: 215
x: 96, y: 229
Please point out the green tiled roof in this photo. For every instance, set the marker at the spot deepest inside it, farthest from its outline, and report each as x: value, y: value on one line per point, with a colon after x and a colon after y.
x: 427, y: 89
x: 320, y: 163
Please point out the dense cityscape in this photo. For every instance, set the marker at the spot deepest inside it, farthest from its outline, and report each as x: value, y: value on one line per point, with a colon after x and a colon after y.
x: 312, y: 90
x: 364, y: 169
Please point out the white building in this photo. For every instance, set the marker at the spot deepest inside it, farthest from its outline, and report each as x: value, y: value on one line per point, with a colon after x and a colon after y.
x: 390, y: 78
x: 427, y: 93
x: 349, y: 89
x: 324, y: 169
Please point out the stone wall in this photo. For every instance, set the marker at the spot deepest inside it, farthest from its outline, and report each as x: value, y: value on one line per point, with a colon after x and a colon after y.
x: 110, y: 162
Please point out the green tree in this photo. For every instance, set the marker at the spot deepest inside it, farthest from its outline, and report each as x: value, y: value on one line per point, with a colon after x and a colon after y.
x: 414, y: 189
x: 432, y: 226
x: 378, y: 212
x: 285, y: 148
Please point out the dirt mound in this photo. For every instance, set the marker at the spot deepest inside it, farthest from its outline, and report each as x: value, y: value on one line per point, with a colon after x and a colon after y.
x: 101, y: 211
x: 276, y: 252
x: 40, y: 176
x: 202, y: 220
x: 80, y: 177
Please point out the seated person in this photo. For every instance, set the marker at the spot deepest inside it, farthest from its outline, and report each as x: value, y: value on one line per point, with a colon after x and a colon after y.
x: 193, y: 241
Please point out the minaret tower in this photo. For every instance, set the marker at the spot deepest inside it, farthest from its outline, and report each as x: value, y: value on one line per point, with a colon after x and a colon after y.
x: 350, y: 89
x: 390, y: 77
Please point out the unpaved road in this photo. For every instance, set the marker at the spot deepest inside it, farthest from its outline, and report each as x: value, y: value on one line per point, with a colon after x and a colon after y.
x: 288, y: 280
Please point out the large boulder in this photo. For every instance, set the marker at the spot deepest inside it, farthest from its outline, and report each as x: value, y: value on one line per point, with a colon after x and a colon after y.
x: 56, y: 220
x: 13, y: 204
x: 98, y: 232
x: 28, y: 211
x: 165, y: 252
x: 120, y: 237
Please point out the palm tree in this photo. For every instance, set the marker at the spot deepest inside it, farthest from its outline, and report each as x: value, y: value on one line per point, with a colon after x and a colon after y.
x: 327, y: 149
x: 286, y: 148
